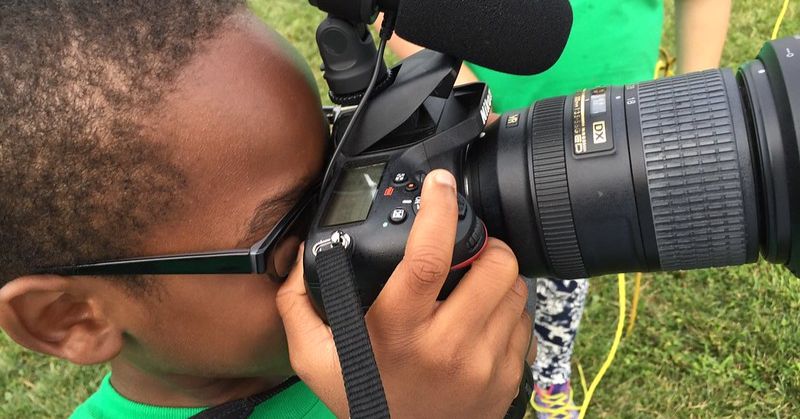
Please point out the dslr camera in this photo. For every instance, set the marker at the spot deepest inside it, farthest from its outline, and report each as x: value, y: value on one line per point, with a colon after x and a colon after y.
x: 694, y: 171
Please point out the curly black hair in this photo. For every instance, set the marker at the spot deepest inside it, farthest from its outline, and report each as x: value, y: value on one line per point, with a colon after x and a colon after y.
x: 79, y: 180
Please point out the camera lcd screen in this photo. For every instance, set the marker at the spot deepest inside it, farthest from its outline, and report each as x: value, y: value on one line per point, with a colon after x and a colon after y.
x: 353, y: 195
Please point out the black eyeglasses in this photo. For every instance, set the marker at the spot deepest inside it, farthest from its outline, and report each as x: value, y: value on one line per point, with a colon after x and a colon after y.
x: 258, y: 259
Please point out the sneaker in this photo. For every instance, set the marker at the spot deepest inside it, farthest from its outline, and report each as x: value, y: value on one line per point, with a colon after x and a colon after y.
x: 555, y: 402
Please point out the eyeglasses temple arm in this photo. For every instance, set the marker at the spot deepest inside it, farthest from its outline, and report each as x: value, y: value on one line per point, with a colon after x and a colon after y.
x: 234, y: 261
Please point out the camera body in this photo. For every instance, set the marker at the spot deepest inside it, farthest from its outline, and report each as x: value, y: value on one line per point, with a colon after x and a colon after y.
x: 376, y: 185
x: 418, y: 122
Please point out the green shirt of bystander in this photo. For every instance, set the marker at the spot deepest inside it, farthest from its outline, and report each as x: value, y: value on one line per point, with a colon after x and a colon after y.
x: 612, y: 42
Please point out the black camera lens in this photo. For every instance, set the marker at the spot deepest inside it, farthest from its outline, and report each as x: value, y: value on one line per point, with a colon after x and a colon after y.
x: 687, y: 172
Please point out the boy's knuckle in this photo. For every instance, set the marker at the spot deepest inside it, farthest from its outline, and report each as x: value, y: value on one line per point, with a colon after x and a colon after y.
x: 500, y: 258
x: 480, y: 373
x: 426, y: 268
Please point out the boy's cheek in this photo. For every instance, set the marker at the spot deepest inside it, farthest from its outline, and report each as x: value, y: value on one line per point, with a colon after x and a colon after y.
x: 229, y: 327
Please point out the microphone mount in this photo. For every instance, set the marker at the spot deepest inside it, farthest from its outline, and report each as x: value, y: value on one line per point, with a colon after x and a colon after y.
x: 348, y: 59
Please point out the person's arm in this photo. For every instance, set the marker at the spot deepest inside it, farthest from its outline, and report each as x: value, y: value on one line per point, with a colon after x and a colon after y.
x: 702, y: 26
x: 404, y: 49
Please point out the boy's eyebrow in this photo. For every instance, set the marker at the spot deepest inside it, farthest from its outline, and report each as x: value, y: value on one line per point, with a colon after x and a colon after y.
x: 269, y: 211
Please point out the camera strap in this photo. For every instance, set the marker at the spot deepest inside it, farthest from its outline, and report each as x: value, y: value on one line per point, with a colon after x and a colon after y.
x: 362, y: 381
x: 243, y: 408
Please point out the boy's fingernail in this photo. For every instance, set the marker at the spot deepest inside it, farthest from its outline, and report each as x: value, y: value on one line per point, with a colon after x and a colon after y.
x: 444, y: 178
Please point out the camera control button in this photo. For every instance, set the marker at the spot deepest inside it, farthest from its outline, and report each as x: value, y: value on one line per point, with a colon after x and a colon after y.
x: 462, y: 207
x: 417, y: 200
x: 411, y: 186
x: 398, y: 215
x: 420, y: 177
x: 400, y: 178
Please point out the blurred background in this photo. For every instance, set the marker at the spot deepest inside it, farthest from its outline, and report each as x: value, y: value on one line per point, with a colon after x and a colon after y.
x: 708, y: 343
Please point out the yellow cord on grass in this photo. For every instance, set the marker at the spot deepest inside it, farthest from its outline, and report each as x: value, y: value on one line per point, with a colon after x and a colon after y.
x: 583, y: 379
x: 587, y: 398
x: 637, y: 285
x: 780, y: 19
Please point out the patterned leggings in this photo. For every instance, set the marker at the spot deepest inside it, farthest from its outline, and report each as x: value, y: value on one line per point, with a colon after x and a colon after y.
x: 558, y: 309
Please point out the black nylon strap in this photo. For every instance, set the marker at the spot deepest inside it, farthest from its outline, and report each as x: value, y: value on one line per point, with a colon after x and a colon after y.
x: 243, y: 408
x: 362, y: 381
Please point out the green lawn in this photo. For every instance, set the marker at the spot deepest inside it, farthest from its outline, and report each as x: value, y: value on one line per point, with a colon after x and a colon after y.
x: 710, y: 343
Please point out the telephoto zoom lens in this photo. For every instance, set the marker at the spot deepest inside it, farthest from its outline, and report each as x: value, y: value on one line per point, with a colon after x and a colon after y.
x: 694, y: 171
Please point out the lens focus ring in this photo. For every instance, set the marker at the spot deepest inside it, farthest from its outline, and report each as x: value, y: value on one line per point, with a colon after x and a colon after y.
x: 693, y: 172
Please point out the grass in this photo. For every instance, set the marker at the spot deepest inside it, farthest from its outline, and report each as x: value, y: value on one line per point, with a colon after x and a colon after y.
x: 708, y: 343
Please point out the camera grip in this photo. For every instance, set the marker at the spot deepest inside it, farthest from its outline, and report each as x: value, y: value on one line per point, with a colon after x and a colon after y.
x: 471, y: 239
x: 467, y: 249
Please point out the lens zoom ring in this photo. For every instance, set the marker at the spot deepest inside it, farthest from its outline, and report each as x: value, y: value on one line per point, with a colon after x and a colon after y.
x: 552, y: 191
x: 693, y: 172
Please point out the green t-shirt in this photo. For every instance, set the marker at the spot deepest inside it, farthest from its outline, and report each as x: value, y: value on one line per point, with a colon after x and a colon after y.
x: 612, y: 42
x: 296, y: 402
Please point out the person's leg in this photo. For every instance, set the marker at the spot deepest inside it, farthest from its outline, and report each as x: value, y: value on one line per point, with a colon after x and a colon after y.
x: 559, y: 307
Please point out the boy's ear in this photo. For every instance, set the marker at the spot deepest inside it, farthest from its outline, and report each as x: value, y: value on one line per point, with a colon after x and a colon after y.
x: 56, y: 316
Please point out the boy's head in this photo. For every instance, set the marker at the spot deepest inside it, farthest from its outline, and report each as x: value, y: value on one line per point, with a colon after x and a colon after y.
x: 136, y: 128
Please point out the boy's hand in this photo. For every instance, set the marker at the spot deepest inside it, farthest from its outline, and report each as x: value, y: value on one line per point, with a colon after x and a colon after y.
x: 462, y: 357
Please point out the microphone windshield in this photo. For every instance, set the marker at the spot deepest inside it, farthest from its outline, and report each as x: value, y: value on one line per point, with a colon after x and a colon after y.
x: 513, y: 36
